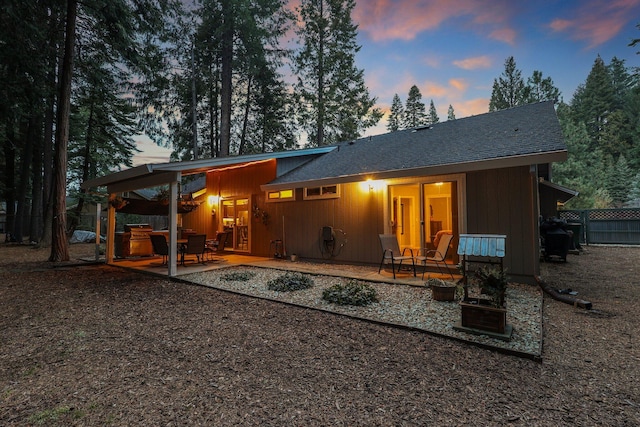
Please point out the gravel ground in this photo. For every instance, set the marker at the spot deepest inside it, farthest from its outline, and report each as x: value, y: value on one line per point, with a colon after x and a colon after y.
x: 409, y: 306
x: 98, y: 345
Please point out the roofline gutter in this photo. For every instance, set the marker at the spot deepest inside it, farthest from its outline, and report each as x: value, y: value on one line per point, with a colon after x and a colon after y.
x: 444, y: 169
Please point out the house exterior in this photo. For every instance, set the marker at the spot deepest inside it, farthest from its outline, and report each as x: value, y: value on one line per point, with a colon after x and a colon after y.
x: 480, y: 174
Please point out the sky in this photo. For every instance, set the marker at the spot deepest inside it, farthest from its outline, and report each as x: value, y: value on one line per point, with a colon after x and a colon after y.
x: 453, y: 50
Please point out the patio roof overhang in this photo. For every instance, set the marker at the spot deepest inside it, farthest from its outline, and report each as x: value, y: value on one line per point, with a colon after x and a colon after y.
x: 428, y: 170
x: 558, y: 192
x: 152, y: 175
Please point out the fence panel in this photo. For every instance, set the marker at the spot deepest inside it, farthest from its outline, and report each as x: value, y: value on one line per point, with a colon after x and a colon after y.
x: 607, y: 226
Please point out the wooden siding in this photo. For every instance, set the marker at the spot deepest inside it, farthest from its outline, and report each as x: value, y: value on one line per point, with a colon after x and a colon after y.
x: 501, y: 201
x: 231, y: 182
x: 357, y: 213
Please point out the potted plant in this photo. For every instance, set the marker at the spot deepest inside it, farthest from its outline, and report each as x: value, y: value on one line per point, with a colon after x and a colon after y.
x: 486, y: 312
x: 441, y: 290
x: 118, y: 202
x: 162, y: 196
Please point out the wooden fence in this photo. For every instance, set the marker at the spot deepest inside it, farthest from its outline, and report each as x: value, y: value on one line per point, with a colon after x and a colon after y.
x: 606, y: 226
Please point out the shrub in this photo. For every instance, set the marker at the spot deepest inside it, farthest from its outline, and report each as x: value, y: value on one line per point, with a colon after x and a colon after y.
x: 238, y: 276
x: 353, y: 293
x: 290, y: 282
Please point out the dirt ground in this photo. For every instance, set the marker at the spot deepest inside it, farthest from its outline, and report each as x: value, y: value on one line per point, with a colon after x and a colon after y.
x: 97, y: 345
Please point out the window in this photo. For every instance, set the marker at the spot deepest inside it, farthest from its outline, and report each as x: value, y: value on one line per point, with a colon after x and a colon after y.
x: 322, y: 192
x: 281, y: 195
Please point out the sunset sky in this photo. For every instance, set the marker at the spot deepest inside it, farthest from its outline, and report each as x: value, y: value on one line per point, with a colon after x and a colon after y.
x: 453, y: 50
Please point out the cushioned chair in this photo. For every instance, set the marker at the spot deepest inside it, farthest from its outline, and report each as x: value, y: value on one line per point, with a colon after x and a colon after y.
x: 391, y: 252
x: 195, y: 246
x: 160, y: 246
x: 437, y: 256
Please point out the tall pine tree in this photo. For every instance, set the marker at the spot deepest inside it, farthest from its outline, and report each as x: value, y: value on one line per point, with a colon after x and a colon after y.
x: 395, y: 116
x: 508, y: 89
x: 432, y: 118
x: 414, y: 110
x: 335, y: 104
x: 451, y: 115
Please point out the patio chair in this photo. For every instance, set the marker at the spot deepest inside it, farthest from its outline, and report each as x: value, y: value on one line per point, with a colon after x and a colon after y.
x: 195, y: 246
x: 214, y: 246
x: 160, y: 246
x: 437, y: 256
x: 391, y: 252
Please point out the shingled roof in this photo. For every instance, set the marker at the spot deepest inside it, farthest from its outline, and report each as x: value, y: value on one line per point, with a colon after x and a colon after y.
x: 517, y: 136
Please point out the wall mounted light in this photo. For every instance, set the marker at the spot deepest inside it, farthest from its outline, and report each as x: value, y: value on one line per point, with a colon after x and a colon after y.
x: 372, y: 185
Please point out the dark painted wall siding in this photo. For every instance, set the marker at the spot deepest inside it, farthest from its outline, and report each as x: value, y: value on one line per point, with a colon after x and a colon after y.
x: 501, y: 201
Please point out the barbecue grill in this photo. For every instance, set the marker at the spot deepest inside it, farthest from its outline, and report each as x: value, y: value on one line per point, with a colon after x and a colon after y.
x: 135, y: 241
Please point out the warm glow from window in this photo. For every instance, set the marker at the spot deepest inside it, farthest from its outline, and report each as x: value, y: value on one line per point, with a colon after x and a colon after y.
x: 280, y: 195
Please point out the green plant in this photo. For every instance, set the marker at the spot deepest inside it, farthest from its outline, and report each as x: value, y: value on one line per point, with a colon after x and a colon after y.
x: 290, y: 282
x: 352, y: 293
x: 238, y: 276
x: 493, y: 283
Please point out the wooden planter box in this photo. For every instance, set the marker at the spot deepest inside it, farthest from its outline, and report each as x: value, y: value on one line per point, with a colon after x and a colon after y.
x: 443, y: 293
x: 477, y: 313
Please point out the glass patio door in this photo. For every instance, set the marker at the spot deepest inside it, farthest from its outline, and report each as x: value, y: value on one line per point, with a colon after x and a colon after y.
x: 419, y: 211
x: 236, y: 221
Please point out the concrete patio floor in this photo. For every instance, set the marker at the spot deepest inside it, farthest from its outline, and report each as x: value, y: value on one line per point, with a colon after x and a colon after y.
x: 361, y: 272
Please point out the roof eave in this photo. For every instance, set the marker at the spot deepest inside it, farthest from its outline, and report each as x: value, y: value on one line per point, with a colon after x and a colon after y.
x: 444, y: 169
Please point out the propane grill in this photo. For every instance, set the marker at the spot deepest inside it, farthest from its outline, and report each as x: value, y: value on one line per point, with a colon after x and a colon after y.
x: 135, y: 241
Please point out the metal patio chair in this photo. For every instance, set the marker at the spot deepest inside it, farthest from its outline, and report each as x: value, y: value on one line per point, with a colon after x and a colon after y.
x: 391, y: 252
x: 437, y: 256
x: 195, y: 246
x: 160, y: 246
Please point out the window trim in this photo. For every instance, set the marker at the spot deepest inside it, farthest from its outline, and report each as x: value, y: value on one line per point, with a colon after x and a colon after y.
x: 323, y: 194
x: 280, y: 198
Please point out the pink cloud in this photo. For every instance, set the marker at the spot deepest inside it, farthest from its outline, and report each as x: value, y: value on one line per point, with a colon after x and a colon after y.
x: 506, y: 35
x: 597, y: 21
x: 405, y: 19
x: 473, y: 63
x: 458, y: 84
x: 471, y: 107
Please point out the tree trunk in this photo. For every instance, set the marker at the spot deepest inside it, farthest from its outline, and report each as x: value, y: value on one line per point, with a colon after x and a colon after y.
x: 59, y: 241
x: 227, y: 75
x: 321, y: 107
x: 47, y: 149
x: 35, y: 223
x: 245, y: 120
x: 86, y: 165
x: 23, y: 184
x: 9, y: 177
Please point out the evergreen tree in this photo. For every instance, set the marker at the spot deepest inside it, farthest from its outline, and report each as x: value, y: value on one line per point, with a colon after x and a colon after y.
x: 451, y: 115
x: 396, y: 114
x: 634, y: 192
x: 508, y: 89
x: 617, y: 181
x: 432, y: 118
x: 540, y: 89
x: 594, y: 101
x: 584, y: 169
x: 335, y: 103
x: 621, y: 80
x: 414, y: 110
